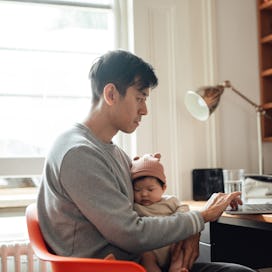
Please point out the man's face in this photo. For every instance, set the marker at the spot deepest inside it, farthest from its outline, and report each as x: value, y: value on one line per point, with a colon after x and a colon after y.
x: 130, y: 109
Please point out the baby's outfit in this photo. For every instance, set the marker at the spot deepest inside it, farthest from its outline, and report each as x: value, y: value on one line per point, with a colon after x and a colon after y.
x: 149, y: 166
x: 167, y: 206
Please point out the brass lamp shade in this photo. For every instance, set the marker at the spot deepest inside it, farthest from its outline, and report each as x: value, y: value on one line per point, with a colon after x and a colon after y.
x: 203, y: 102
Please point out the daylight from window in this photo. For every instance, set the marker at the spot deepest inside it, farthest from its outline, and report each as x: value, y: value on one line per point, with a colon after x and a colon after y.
x: 46, y: 52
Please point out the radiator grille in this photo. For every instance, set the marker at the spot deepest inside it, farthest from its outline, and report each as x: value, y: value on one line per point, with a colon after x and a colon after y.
x: 19, y: 257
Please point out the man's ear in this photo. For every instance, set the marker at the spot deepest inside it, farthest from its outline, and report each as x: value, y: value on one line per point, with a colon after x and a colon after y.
x: 164, y: 187
x: 110, y: 93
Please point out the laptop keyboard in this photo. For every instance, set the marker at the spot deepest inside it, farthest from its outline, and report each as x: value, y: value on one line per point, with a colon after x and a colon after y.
x: 253, y: 209
x: 257, y: 207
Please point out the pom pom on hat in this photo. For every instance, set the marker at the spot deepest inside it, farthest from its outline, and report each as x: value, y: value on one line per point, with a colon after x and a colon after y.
x: 148, y: 166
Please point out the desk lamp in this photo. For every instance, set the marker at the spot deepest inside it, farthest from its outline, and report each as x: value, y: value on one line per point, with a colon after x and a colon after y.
x: 202, y: 103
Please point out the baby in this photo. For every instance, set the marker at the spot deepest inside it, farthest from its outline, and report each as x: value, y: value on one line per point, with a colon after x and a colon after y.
x: 149, y: 185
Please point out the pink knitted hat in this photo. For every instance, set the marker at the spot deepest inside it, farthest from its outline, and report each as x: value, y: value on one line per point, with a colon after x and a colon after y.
x: 148, y: 166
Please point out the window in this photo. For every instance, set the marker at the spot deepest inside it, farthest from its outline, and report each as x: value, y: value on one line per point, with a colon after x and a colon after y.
x: 46, y: 51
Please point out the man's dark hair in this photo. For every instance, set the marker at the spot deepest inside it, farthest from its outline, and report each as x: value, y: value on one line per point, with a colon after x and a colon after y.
x: 123, y: 69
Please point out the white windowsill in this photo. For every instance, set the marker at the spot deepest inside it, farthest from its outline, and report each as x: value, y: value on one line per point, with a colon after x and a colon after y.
x: 18, y: 197
x: 12, y: 208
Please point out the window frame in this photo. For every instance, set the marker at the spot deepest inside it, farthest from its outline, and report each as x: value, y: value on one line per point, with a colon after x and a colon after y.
x: 33, y: 166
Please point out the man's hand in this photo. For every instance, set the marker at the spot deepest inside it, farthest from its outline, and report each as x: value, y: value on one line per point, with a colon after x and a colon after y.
x: 184, y: 254
x: 218, y: 203
x: 190, y: 250
x: 177, y: 254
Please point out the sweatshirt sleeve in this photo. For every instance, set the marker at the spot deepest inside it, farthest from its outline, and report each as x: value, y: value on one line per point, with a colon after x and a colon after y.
x: 104, y: 200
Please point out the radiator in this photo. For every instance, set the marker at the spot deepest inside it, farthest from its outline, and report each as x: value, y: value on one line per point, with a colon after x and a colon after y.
x: 19, y: 257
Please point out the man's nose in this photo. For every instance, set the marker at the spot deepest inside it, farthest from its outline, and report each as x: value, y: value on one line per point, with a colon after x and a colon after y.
x: 143, y: 109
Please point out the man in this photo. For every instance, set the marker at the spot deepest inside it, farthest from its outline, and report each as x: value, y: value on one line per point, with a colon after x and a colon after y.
x: 85, y: 202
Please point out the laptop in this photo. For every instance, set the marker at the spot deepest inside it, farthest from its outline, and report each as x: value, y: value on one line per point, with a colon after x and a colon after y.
x: 265, y: 208
x: 255, y: 208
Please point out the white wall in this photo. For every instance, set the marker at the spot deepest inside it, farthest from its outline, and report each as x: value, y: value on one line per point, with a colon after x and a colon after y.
x: 192, y: 43
x: 237, y: 48
x: 169, y: 34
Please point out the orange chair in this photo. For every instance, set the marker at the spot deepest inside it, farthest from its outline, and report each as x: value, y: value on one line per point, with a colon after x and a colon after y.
x: 71, y: 264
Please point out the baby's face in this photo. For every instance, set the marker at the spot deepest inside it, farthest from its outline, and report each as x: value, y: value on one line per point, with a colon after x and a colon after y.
x: 148, y: 191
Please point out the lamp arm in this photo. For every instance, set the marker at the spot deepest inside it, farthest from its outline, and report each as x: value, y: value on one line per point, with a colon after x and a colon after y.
x: 259, y: 143
x: 227, y: 84
x: 260, y: 111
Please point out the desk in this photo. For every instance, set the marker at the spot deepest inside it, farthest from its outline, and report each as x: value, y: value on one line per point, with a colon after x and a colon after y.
x: 243, y: 239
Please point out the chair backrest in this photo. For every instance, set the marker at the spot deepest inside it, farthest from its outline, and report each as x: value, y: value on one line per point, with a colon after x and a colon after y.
x: 71, y: 264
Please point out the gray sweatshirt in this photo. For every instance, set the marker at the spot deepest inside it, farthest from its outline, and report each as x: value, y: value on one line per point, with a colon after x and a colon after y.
x: 85, y: 203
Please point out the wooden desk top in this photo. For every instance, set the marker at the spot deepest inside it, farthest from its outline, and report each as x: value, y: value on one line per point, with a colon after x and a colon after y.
x: 266, y: 218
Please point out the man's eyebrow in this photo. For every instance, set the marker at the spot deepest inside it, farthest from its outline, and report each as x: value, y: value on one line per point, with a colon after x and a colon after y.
x: 144, y: 93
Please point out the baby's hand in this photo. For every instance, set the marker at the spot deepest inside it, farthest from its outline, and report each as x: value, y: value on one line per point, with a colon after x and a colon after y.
x: 110, y: 257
